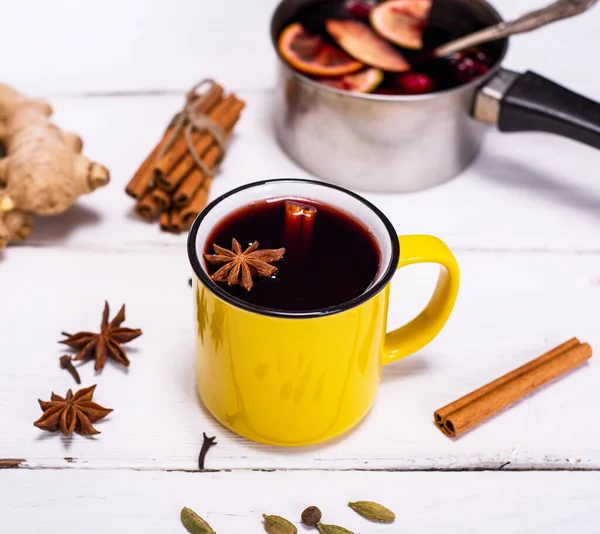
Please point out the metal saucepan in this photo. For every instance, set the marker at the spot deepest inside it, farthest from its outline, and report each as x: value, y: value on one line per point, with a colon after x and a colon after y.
x: 386, y: 143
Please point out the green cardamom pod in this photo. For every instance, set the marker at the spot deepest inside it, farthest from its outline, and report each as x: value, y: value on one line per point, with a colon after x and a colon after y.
x: 278, y: 525
x: 332, y: 529
x: 373, y: 511
x: 194, y: 523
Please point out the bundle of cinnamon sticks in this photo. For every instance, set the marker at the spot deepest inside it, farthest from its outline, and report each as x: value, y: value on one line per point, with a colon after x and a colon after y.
x: 171, y: 184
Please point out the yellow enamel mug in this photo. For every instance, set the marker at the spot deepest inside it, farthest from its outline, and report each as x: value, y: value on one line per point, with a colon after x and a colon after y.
x: 300, y: 378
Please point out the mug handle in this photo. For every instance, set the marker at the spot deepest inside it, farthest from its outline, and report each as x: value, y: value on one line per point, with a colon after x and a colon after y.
x: 428, y: 324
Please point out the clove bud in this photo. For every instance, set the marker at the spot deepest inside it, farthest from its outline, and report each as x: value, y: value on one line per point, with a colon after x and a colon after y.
x: 66, y: 363
x: 194, y: 523
x: 278, y: 525
x: 373, y: 511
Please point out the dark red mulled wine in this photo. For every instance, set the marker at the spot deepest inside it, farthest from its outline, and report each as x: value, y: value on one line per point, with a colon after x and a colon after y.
x: 332, y: 265
x: 329, y: 53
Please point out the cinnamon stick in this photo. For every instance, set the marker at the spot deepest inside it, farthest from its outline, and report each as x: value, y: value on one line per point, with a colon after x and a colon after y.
x: 146, y: 207
x: 197, y: 204
x: 176, y: 225
x: 194, y: 180
x: 179, y: 149
x: 474, y: 408
x: 298, y: 227
x: 185, y: 173
x: 161, y: 199
x: 165, y: 221
x: 10, y: 463
x: 142, y: 179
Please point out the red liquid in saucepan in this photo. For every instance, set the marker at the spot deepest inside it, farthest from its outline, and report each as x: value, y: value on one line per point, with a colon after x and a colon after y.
x: 427, y: 75
x: 340, y: 263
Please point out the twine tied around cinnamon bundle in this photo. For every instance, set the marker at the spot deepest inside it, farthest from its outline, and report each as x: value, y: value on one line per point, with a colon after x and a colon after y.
x: 190, y: 119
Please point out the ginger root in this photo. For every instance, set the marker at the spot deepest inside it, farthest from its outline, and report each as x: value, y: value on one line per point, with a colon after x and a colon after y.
x: 44, y: 171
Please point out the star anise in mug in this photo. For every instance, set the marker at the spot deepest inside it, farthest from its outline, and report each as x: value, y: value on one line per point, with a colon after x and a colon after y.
x: 238, y: 268
x: 107, y: 343
x: 73, y: 413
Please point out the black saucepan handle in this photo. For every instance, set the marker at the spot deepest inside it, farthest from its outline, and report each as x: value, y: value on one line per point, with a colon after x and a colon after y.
x: 529, y: 102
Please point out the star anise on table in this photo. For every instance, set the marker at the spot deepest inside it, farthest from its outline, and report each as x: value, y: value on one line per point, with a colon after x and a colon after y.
x: 107, y: 343
x: 74, y: 413
x: 239, y: 267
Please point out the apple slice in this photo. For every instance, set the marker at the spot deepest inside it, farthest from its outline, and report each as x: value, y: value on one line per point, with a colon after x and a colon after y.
x: 365, y: 81
x: 364, y: 45
x: 402, y: 21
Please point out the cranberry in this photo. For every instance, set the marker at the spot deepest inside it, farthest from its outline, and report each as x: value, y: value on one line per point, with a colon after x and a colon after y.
x: 415, y: 83
x: 358, y: 9
x: 468, y: 69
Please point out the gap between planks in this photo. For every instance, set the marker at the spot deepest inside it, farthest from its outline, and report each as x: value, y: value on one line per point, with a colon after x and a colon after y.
x: 505, y: 467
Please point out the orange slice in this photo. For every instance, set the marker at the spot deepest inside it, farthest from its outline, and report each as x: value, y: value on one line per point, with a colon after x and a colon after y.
x: 365, y: 81
x: 402, y: 21
x: 309, y: 54
x: 363, y: 44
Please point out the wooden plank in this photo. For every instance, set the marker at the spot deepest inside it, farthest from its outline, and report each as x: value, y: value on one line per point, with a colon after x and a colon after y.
x: 512, y: 307
x: 111, y: 46
x: 526, y: 191
x: 126, y: 501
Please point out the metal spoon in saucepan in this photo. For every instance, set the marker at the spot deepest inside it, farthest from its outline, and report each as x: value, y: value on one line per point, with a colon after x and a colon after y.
x: 561, y: 9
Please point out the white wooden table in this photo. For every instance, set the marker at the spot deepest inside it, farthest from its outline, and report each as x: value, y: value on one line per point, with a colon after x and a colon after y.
x: 524, y: 222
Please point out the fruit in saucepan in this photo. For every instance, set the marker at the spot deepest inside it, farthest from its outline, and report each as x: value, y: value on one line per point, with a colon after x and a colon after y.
x: 469, y: 67
x: 402, y: 22
x: 358, y: 9
x: 309, y: 54
x: 414, y: 83
x: 363, y: 44
x: 365, y: 81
